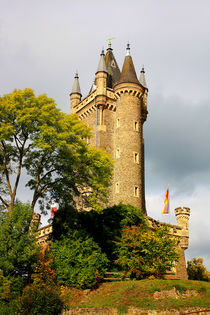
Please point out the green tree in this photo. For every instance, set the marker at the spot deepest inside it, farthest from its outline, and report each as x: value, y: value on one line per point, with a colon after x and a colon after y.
x: 196, y: 270
x: 38, y: 137
x: 143, y: 252
x: 18, y: 250
x: 78, y: 260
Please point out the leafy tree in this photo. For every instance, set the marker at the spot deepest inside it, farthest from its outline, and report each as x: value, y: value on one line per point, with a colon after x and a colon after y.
x: 78, y: 260
x: 104, y: 227
x: 38, y: 137
x: 18, y: 250
x: 143, y: 252
x: 197, y: 271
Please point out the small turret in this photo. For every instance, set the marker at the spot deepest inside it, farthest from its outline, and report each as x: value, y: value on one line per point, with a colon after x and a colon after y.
x: 101, y: 81
x: 75, y: 94
x: 182, y: 216
x: 142, y: 79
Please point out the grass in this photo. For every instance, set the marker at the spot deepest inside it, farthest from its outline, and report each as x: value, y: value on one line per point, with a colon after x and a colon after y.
x: 122, y: 295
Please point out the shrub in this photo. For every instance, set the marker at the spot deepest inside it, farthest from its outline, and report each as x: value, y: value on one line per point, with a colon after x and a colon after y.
x: 40, y: 300
x: 143, y: 252
x: 78, y: 260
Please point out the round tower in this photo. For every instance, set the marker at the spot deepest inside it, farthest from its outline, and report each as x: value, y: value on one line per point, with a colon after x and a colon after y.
x: 182, y: 216
x: 75, y: 95
x: 131, y: 113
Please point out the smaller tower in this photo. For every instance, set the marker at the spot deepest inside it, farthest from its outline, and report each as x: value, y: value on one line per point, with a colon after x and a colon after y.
x: 101, y: 81
x: 182, y: 216
x: 142, y: 79
x: 75, y: 95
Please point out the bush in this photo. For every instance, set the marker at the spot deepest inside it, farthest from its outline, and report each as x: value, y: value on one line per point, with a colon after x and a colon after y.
x: 40, y: 300
x: 78, y: 261
x: 143, y: 252
x: 197, y: 271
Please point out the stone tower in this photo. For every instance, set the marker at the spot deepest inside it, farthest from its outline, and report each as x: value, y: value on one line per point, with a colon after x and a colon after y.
x: 116, y: 109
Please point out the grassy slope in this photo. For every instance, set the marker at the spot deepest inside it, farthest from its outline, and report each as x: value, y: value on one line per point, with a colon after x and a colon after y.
x: 140, y: 294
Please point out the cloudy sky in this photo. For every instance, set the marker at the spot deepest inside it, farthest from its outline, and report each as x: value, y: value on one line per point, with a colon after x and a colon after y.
x: 43, y: 43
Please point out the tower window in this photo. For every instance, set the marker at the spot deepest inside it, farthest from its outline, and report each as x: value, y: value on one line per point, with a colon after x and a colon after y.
x: 136, y: 157
x: 136, y: 126
x: 117, y: 153
x: 118, y: 123
x: 117, y: 188
x: 136, y: 191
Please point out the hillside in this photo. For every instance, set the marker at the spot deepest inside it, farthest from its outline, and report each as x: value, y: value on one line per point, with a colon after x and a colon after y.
x: 144, y: 294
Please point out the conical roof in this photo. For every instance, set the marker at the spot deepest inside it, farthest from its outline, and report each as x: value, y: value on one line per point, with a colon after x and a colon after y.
x: 142, y: 79
x: 102, y: 63
x: 76, y: 86
x: 112, y: 68
x: 128, y: 74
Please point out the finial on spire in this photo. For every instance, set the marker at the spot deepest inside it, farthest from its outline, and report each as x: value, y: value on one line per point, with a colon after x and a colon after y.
x: 142, y: 69
x: 128, y: 49
x: 110, y: 43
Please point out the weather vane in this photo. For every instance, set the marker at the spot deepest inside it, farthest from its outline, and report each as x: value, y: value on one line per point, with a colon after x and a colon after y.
x: 110, y: 41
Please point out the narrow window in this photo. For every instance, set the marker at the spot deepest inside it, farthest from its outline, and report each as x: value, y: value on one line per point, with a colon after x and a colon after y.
x: 136, y: 191
x: 136, y: 157
x: 118, y: 123
x: 117, y: 188
x: 136, y: 126
x: 117, y: 153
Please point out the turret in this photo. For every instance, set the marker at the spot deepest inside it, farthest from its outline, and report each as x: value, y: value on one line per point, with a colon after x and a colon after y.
x: 75, y: 95
x: 142, y: 79
x: 182, y: 216
x: 129, y: 142
x: 101, y: 85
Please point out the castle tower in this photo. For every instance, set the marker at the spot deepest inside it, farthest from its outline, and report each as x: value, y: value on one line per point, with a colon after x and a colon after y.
x: 131, y: 113
x: 116, y: 108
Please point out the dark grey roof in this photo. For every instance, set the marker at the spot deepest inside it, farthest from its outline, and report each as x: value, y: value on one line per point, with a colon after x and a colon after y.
x: 142, y: 79
x: 112, y: 68
x: 76, y: 86
x: 102, y: 63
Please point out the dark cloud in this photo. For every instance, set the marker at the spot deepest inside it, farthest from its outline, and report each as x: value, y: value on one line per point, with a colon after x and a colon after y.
x: 177, y: 135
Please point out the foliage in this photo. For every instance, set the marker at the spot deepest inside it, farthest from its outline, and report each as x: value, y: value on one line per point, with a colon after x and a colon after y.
x: 38, y: 137
x: 103, y: 227
x: 40, y: 300
x: 197, y: 271
x: 143, y: 252
x: 78, y: 260
x: 18, y: 250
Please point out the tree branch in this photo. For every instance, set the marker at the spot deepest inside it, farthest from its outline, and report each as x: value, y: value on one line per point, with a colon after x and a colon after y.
x: 5, y: 169
x: 4, y: 202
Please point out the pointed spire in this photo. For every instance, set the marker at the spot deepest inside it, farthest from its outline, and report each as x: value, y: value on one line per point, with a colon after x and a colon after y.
x: 76, y: 86
x: 128, y: 74
x: 102, y: 63
x: 142, y: 79
x: 112, y: 67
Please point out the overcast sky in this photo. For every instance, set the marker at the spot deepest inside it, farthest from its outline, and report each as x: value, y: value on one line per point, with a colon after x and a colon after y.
x: 43, y: 43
